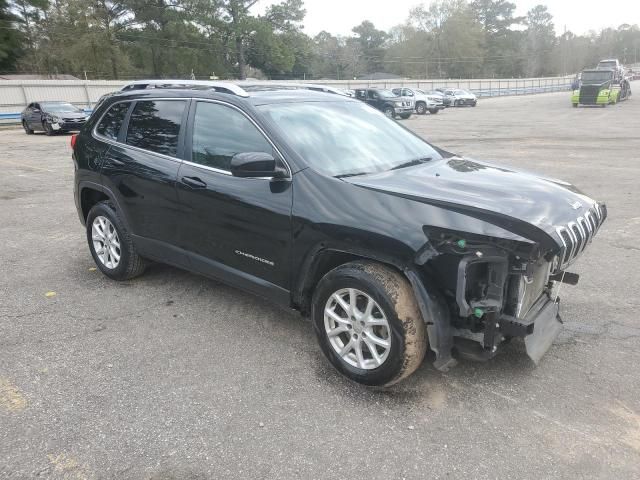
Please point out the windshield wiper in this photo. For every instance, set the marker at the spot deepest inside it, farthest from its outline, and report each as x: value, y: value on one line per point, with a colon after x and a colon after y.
x: 355, y: 174
x: 411, y: 163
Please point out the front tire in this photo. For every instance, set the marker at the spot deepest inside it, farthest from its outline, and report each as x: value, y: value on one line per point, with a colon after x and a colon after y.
x: 368, y: 323
x: 434, y: 111
x: 111, y: 244
x: 405, y: 116
x: 47, y: 128
x: 389, y: 112
x: 421, y: 108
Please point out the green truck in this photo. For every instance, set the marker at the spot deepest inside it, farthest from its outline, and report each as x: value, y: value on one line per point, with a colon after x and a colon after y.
x: 601, y: 87
x: 597, y: 88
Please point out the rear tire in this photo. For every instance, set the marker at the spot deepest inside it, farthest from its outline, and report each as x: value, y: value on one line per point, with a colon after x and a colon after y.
x: 106, y: 232
x: 27, y: 130
x: 393, y: 326
x: 389, y: 112
x: 405, y: 116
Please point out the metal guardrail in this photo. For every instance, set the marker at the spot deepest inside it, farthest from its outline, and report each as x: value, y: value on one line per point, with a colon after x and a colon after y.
x: 15, y: 95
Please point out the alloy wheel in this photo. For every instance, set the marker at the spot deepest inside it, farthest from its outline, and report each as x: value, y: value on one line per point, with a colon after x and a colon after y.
x: 357, y: 328
x: 106, y: 242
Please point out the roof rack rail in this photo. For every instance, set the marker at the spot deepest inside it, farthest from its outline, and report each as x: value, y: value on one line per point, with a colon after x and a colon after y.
x: 222, y: 87
x: 262, y: 84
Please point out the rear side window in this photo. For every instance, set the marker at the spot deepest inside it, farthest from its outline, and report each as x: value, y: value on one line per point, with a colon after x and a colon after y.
x: 111, y: 122
x: 220, y: 132
x: 155, y: 124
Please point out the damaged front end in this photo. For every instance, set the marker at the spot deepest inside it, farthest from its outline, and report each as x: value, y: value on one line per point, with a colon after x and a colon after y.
x: 496, y: 290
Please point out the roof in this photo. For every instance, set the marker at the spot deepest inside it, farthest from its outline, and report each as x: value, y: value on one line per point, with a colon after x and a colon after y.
x: 259, y: 92
x: 255, y: 97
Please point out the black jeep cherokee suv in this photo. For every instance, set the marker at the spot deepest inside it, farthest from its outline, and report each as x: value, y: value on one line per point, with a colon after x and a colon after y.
x: 323, y: 204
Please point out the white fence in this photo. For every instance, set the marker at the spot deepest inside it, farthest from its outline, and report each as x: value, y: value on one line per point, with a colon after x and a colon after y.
x: 16, y: 94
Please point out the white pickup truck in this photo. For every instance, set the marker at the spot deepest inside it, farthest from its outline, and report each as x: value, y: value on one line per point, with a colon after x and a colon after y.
x: 423, y: 101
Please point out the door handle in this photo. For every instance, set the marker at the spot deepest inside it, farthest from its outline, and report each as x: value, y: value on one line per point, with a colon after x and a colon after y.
x: 115, y: 161
x: 193, y: 182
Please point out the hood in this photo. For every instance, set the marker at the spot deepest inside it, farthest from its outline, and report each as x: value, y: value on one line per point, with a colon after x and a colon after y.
x: 523, y: 203
x: 70, y: 115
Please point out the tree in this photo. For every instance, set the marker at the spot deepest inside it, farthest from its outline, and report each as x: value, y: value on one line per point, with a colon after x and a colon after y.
x: 500, y: 40
x: 455, y: 39
x: 11, y: 38
x: 28, y: 14
x: 540, y: 39
x: 371, y: 42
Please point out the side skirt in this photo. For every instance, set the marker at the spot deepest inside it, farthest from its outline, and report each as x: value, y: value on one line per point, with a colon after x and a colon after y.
x: 177, y: 257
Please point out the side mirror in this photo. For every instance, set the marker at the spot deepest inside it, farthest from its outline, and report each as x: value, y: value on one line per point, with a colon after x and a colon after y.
x: 255, y: 165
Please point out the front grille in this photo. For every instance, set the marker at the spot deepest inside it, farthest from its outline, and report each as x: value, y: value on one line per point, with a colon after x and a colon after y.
x: 576, y: 235
x: 589, y: 94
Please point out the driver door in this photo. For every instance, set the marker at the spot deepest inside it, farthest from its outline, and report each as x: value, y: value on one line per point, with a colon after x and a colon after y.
x: 231, y: 227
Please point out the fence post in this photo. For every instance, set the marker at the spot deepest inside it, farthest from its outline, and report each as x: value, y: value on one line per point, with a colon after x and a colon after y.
x: 24, y: 94
x: 86, y: 92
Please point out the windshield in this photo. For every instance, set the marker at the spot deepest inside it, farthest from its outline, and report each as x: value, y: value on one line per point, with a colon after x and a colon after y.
x: 607, y: 65
x: 347, y: 138
x: 60, y: 108
x: 596, y: 78
x: 386, y: 93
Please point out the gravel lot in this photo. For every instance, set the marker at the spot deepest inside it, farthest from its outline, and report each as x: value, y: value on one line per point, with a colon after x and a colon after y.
x: 173, y: 376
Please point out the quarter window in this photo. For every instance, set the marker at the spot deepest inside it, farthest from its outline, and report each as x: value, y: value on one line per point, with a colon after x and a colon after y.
x: 155, y: 125
x: 110, y: 124
x: 220, y: 132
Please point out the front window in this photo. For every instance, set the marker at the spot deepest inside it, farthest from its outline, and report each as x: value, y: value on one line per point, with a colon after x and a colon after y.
x: 596, y: 78
x: 220, y: 132
x: 347, y: 138
x: 386, y: 94
x: 61, y: 108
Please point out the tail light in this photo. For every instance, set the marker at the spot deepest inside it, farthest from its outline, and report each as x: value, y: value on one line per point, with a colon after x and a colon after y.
x: 74, y: 139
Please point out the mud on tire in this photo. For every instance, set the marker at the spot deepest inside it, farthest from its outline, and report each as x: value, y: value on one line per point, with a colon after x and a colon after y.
x: 395, y: 297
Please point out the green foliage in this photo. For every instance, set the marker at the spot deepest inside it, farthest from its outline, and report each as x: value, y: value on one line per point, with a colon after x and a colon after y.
x: 11, y: 39
x: 227, y: 38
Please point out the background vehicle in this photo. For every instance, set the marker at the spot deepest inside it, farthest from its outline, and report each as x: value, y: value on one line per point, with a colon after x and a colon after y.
x: 597, y: 88
x: 52, y: 117
x: 460, y: 98
x: 386, y: 101
x: 424, y: 103
x: 320, y: 203
x: 612, y: 64
x: 439, y: 92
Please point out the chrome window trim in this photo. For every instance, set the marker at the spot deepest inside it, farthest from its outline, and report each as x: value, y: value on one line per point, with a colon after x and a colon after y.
x: 102, y: 138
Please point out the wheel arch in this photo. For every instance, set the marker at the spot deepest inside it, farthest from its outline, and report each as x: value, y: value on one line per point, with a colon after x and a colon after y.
x: 91, y: 194
x: 433, y: 308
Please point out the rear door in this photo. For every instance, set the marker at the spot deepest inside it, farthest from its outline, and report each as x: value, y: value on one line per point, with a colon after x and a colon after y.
x: 238, y: 228
x: 141, y: 169
x: 35, y: 117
